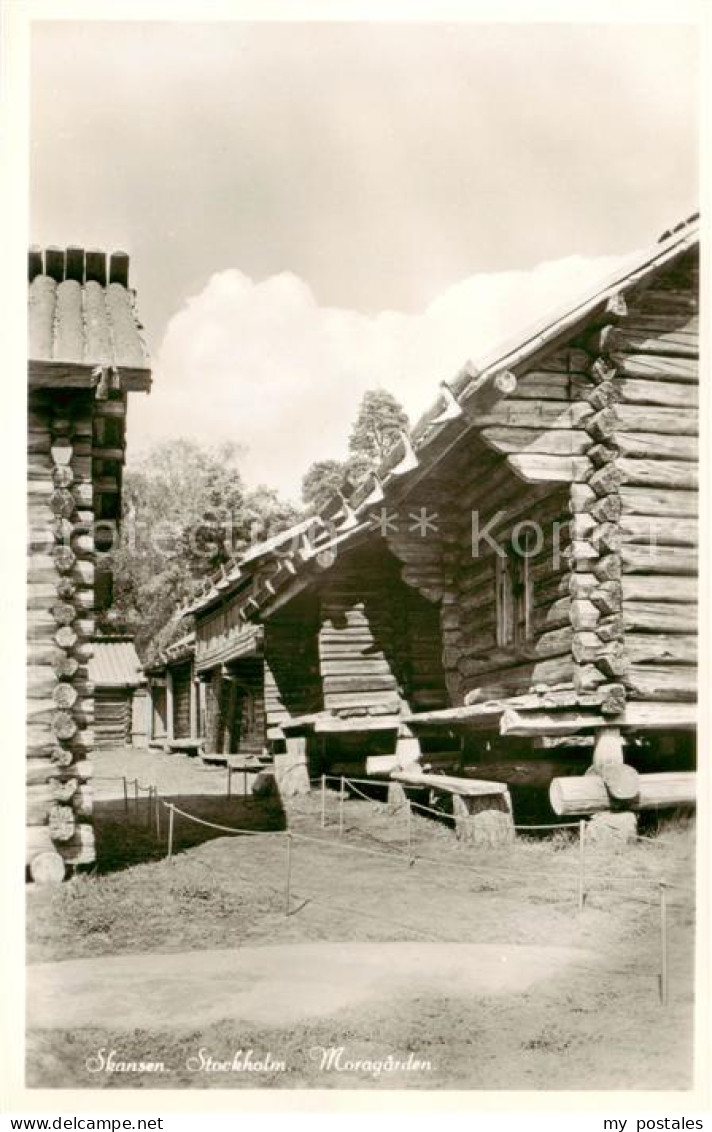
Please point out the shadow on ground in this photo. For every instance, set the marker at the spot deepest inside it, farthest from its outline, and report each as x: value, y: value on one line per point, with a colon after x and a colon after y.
x: 126, y: 834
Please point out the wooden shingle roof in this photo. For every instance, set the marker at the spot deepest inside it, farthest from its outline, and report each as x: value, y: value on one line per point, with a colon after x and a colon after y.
x: 82, y: 316
x: 115, y: 664
x: 446, y: 422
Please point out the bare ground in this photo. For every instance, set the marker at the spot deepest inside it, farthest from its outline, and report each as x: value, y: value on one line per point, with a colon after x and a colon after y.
x: 596, y: 1025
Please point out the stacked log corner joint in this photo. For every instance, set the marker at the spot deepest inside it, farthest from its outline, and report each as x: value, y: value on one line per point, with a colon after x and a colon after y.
x: 60, y: 722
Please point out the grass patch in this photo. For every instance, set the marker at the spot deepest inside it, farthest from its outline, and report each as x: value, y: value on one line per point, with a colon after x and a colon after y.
x: 603, y: 1029
x: 127, y: 835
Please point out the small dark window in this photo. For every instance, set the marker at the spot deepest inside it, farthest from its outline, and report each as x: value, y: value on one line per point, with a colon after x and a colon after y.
x: 103, y: 589
x: 514, y: 596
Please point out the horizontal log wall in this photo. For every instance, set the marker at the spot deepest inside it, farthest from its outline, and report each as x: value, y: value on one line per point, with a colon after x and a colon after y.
x: 541, y: 429
x: 363, y: 639
x: 292, y: 683
x: 489, y: 500
x: 113, y: 707
x: 654, y: 424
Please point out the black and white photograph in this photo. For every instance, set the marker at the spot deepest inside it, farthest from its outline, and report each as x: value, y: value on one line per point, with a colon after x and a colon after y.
x: 361, y: 554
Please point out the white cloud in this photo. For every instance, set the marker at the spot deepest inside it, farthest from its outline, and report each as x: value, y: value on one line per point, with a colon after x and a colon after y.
x: 262, y: 363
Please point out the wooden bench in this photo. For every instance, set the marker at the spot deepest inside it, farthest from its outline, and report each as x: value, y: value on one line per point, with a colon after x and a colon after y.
x: 213, y: 758
x: 190, y: 746
x: 482, y: 809
x: 247, y: 765
x: 449, y: 784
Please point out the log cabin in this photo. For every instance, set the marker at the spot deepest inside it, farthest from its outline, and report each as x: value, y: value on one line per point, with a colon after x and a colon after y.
x: 120, y: 694
x: 85, y: 356
x: 513, y: 592
x: 175, y: 721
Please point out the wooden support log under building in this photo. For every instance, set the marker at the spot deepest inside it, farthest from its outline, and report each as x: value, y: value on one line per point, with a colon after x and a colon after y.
x: 291, y: 768
x: 622, y: 781
x: 588, y: 793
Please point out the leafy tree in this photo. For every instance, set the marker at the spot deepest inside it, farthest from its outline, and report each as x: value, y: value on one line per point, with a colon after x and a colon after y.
x: 380, y: 421
x: 186, y: 512
x: 321, y: 482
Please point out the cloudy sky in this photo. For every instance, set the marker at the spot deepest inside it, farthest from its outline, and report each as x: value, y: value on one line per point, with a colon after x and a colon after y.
x: 315, y: 209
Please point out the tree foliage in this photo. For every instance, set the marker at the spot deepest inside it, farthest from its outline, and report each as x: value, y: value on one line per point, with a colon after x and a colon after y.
x: 379, y: 423
x: 187, y: 511
x: 321, y: 482
x: 381, y: 420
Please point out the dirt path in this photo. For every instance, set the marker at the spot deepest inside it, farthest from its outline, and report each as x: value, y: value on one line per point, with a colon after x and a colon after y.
x: 274, y: 985
x: 171, y: 774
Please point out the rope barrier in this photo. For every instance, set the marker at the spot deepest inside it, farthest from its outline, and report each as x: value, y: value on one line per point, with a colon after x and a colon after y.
x: 350, y: 782
x: 430, y: 810
x: 224, y: 828
x: 551, y: 825
x: 451, y: 817
x: 491, y: 874
x: 393, y: 856
x: 618, y: 879
x: 363, y: 781
x: 398, y: 854
x: 489, y: 877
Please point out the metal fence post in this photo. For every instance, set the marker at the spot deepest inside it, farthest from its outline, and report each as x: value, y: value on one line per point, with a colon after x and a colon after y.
x: 170, y: 828
x: 126, y: 794
x: 136, y: 795
x: 408, y: 826
x: 158, y: 813
x: 288, y: 885
x: 582, y: 866
x: 663, y: 945
x: 229, y: 780
x: 323, y: 801
x: 341, y: 807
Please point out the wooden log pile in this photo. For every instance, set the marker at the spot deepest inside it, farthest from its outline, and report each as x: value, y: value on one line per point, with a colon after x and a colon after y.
x: 60, y: 708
